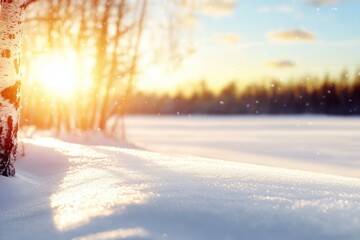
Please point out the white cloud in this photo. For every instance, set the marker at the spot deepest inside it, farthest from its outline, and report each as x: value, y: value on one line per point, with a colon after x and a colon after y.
x: 227, y: 38
x: 218, y: 7
x: 281, y: 64
x: 215, y: 8
x: 292, y: 35
x: 189, y: 21
x: 326, y: 2
x: 276, y: 9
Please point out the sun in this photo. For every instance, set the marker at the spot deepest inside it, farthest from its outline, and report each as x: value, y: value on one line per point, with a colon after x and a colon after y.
x: 57, y: 73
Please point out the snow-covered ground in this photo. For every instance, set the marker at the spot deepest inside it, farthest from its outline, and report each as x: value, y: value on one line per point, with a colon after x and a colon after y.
x: 322, y: 144
x: 95, y: 188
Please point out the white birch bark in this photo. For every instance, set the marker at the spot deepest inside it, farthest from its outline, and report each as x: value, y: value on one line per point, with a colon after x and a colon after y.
x: 11, y: 24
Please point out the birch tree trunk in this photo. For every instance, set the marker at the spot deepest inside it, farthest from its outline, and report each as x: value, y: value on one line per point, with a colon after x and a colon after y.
x: 11, y: 23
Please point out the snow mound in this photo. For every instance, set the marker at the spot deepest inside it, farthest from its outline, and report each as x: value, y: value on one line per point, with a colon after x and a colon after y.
x: 72, y: 191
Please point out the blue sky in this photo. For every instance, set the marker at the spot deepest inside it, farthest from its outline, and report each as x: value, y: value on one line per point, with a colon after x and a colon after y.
x: 248, y: 41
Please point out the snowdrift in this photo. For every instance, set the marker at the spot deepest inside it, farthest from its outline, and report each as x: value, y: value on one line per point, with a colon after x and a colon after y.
x: 66, y: 190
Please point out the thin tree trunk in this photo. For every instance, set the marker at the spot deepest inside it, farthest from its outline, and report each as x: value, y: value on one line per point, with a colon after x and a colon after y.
x: 11, y: 23
x: 101, y: 47
x: 129, y: 87
x: 104, y: 112
x: 82, y: 115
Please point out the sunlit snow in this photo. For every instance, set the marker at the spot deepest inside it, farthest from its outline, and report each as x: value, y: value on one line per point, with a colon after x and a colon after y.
x: 323, y: 144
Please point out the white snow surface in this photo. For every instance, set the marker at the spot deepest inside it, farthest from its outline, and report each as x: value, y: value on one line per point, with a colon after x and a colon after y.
x: 91, y: 187
x: 312, y: 143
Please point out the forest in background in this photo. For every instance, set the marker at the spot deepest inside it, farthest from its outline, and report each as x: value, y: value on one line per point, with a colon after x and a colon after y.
x: 309, y: 95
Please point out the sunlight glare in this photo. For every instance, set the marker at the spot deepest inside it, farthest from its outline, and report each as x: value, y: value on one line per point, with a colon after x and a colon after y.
x: 57, y: 73
x: 87, y: 192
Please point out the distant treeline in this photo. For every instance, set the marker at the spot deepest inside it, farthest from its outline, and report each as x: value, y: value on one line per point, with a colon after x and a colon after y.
x: 336, y: 96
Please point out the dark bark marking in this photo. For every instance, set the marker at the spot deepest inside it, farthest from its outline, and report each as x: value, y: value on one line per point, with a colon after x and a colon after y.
x: 8, y: 139
x: 6, y: 53
x: 8, y: 150
x: 11, y: 94
x: 16, y: 128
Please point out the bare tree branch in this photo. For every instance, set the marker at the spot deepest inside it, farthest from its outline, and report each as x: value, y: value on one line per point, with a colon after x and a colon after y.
x: 27, y: 3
